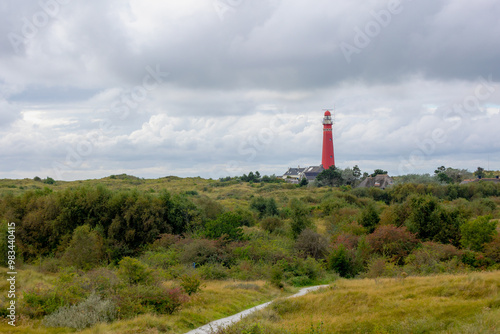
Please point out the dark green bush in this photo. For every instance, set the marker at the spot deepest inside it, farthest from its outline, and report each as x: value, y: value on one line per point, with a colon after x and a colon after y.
x: 295, y: 267
x: 276, y: 277
x: 266, y: 207
x: 340, y: 261
x: 227, y: 225
x: 476, y: 260
x: 271, y: 224
x: 477, y: 232
x: 369, y: 218
x: 300, y: 217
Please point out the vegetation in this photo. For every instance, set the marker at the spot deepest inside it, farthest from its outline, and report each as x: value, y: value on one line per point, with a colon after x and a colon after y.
x: 178, y: 253
x: 439, y: 304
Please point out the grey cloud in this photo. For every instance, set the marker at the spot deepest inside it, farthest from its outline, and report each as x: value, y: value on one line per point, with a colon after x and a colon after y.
x: 231, y: 73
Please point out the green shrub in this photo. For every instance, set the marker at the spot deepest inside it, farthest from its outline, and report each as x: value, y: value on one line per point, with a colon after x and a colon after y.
x: 340, y: 261
x: 492, y: 249
x: 161, y: 259
x: 50, y: 265
x: 301, y: 267
x: 311, y: 244
x: 432, y: 257
x: 271, y: 224
x: 477, y: 232
x: 49, y: 180
x: 246, y: 270
x: 89, y: 312
x: 141, y: 299
x: 227, y: 225
x: 209, y: 207
x: 262, y: 249
x: 394, y: 242
x: 133, y: 271
x: 333, y: 203
x: 85, y: 250
x: 266, y: 207
x: 276, y: 277
x: 300, y: 281
x: 476, y: 259
x: 103, y: 281
x: 164, y: 241
x: 41, y: 301
x: 340, y: 219
x: 213, y: 271
x: 300, y: 217
x: 369, y: 218
x: 199, y: 251
x: 190, y: 283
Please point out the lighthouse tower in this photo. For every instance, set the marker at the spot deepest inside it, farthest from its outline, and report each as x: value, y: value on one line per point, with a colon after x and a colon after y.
x: 327, y: 158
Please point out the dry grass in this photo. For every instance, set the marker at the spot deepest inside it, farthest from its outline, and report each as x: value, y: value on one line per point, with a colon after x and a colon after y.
x: 437, y: 304
x: 216, y: 300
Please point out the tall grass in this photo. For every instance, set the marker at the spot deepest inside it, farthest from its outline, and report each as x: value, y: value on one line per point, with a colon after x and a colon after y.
x: 435, y: 304
x: 217, y: 299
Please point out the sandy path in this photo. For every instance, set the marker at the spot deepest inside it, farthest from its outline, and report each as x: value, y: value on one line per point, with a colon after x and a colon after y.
x: 224, y: 322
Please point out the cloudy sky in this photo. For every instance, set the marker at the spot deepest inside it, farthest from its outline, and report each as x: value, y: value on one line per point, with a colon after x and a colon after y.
x: 213, y: 88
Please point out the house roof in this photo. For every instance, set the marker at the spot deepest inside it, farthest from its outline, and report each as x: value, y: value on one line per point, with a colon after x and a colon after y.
x: 381, y: 181
x: 311, y: 172
x: 293, y: 172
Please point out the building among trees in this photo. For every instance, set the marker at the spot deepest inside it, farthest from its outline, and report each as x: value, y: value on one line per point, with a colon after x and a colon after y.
x: 381, y: 181
x: 482, y: 179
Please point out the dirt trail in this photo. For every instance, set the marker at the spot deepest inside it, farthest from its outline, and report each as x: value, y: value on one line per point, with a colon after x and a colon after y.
x: 224, y: 322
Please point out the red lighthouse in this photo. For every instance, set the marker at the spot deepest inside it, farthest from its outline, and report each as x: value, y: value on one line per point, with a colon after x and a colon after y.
x: 327, y: 158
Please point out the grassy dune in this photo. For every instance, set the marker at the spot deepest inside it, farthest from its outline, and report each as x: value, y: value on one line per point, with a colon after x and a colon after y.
x: 435, y: 304
x: 216, y: 300
x: 230, y: 195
